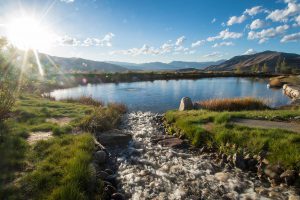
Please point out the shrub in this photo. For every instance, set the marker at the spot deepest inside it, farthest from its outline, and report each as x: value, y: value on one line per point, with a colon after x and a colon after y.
x: 86, y: 100
x: 101, y: 119
x: 120, y: 107
x: 234, y: 104
x: 7, y: 101
x: 275, y: 83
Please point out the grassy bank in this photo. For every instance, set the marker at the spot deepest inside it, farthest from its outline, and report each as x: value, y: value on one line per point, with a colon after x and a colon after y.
x: 58, y: 168
x: 211, y: 128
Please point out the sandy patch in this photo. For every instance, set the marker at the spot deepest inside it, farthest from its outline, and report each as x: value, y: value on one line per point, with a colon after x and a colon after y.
x: 60, y: 121
x: 39, y: 135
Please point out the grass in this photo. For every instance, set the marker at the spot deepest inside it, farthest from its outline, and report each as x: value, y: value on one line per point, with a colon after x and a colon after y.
x: 85, y: 100
x: 7, y: 101
x: 62, y: 166
x: 58, y: 168
x: 282, y: 146
x: 232, y: 104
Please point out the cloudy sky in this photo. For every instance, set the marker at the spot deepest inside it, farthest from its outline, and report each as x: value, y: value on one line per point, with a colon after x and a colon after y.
x: 161, y: 30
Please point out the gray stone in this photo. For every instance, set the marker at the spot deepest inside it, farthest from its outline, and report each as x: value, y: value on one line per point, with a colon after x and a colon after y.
x: 289, y: 176
x: 186, y: 104
x: 100, y: 157
x: 102, y: 175
x: 117, y: 196
x: 238, y: 161
x: 114, y: 138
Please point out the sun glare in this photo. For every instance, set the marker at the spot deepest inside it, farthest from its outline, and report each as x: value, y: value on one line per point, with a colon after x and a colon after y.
x: 27, y: 33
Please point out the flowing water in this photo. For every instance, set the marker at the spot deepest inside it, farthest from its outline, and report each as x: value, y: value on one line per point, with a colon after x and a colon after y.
x: 150, y: 171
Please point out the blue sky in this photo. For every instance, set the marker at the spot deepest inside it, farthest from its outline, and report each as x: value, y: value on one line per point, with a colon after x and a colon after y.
x: 161, y: 30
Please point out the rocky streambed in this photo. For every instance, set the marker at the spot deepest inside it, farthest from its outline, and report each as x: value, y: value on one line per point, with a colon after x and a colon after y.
x: 150, y: 168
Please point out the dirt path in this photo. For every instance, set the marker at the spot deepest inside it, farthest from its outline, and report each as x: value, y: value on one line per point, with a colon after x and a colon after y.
x: 253, y: 123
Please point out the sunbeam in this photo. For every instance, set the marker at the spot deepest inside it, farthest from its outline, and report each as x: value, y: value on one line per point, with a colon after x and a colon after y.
x: 38, y: 63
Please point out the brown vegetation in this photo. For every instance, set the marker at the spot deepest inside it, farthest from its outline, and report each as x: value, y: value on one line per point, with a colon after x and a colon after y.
x: 232, y: 104
x: 85, y: 100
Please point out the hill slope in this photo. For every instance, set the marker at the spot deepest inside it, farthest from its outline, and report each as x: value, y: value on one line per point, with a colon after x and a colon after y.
x: 270, y: 58
x: 80, y: 64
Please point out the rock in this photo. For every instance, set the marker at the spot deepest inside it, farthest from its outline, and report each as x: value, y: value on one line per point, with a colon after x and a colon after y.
x: 238, y: 161
x: 289, y: 176
x: 117, y: 196
x: 109, y: 171
x: 102, y: 175
x: 172, y: 143
x: 112, y: 179
x: 186, y: 104
x: 100, y: 157
x: 109, y: 189
x: 273, y: 172
x: 294, y: 197
x: 114, y: 137
x: 251, y: 164
x: 222, y: 176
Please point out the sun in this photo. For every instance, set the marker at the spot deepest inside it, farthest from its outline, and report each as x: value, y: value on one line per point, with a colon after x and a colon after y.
x: 28, y: 33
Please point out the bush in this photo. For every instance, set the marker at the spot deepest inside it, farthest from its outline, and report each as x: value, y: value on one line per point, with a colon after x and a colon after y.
x: 101, y: 119
x: 7, y: 101
x: 276, y: 83
x: 120, y: 107
x: 85, y: 100
x: 234, y: 104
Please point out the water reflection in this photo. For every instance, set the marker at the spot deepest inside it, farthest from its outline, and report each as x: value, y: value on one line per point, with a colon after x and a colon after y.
x: 161, y: 95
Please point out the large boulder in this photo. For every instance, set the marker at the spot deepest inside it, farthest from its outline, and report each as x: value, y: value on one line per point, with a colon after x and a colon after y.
x: 186, y: 104
x: 113, y: 138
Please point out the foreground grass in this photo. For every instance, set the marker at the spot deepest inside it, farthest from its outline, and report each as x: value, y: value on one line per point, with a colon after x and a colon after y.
x: 62, y: 169
x: 282, y: 146
x: 59, y: 167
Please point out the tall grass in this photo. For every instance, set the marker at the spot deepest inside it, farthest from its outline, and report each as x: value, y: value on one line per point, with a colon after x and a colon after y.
x: 85, y: 100
x: 7, y: 101
x: 103, y: 118
x: 232, y: 104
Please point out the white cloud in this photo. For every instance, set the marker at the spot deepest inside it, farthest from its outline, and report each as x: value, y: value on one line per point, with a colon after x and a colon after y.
x: 291, y: 38
x: 197, y: 43
x: 213, y: 20
x: 215, y: 54
x: 223, y: 44
x: 67, y: 1
x: 225, y: 34
x: 72, y: 41
x: 266, y: 34
x: 250, y: 52
x: 297, y: 19
x: 68, y: 41
x: 166, y: 47
x: 254, y: 11
x: 236, y: 20
x: 257, y: 24
x: 283, y: 15
x: 180, y: 41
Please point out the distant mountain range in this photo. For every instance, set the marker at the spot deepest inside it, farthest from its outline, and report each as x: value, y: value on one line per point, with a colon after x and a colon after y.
x: 243, y: 62
x: 270, y: 58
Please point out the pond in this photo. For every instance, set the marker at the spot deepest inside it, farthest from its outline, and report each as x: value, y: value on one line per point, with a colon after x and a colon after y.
x: 162, y: 95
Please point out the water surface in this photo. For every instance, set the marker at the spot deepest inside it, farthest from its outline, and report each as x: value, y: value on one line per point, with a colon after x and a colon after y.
x: 162, y: 95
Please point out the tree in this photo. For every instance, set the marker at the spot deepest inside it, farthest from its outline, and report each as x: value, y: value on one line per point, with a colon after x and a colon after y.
x: 255, y: 68
x: 277, y: 68
x: 265, y: 68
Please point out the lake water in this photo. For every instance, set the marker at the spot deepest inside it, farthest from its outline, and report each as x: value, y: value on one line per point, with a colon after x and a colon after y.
x: 162, y: 95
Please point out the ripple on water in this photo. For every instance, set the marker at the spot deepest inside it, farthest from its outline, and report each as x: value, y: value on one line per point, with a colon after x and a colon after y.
x: 147, y: 170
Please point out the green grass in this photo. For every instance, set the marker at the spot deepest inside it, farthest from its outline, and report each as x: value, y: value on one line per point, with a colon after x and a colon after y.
x: 58, y: 168
x: 62, y: 165
x: 282, y: 146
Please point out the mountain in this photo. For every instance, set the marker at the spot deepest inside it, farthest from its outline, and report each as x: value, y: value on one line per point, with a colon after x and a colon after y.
x: 160, y: 66
x: 80, y: 64
x: 197, y: 65
x: 270, y: 58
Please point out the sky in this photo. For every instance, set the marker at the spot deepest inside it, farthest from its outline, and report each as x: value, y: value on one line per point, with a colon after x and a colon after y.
x: 156, y: 30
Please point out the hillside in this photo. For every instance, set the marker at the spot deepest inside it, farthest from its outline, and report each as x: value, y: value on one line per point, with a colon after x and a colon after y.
x: 160, y: 66
x: 270, y: 58
x: 80, y: 64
